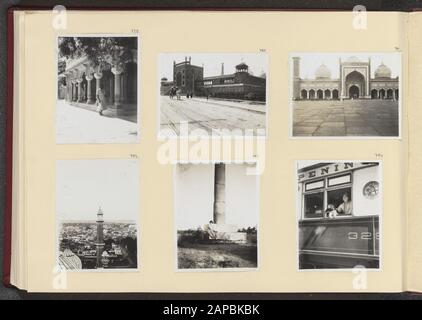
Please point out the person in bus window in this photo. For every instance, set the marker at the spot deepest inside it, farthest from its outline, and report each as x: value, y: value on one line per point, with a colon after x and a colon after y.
x: 331, y: 212
x: 346, y: 207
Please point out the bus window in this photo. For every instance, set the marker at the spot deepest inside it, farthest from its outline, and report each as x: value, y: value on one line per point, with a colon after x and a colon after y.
x: 314, y: 205
x: 335, y: 197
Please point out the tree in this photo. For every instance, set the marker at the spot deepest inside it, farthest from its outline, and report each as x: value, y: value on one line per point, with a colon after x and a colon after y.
x: 102, y: 52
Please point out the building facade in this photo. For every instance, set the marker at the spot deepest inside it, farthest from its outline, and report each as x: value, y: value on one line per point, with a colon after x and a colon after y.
x: 238, y: 85
x: 355, y: 82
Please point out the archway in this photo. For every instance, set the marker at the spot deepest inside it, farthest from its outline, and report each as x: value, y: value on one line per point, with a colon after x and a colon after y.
x: 390, y: 94
x: 304, y: 94
x: 354, y: 92
x: 320, y: 94
x: 312, y: 94
x: 327, y: 94
x: 355, y: 81
x: 131, y: 83
x: 382, y: 94
x: 374, y: 94
x: 76, y: 95
x: 335, y: 94
x: 107, y: 84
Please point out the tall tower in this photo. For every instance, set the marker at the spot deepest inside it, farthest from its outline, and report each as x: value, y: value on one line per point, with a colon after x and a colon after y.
x: 296, y: 78
x: 100, y: 237
x: 220, y: 194
x: 222, y: 69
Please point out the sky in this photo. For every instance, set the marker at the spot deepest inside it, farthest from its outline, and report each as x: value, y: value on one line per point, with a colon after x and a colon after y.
x: 310, y: 62
x: 257, y: 62
x: 194, y: 196
x: 85, y: 185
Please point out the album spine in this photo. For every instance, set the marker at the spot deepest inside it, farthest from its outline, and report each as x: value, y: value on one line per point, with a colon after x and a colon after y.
x: 7, y: 249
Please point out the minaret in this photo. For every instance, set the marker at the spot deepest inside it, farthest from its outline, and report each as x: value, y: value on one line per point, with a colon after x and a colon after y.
x: 296, y: 78
x: 368, y: 84
x: 220, y: 194
x: 341, y: 79
x: 100, y: 237
x: 222, y: 69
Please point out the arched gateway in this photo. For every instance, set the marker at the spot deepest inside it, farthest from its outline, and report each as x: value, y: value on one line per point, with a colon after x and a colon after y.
x: 353, y: 81
x: 354, y: 92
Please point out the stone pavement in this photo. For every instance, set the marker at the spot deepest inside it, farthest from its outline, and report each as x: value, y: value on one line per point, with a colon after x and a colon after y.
x: 207, y: 116
x: 76, y: 125
x: 366, y: 118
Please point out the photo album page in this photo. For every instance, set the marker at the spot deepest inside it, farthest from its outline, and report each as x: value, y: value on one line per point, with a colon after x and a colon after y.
x: 181, y: 151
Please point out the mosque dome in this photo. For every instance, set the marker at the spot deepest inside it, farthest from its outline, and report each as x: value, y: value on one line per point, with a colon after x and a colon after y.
x: 323, y: 72
x: 383, y: 71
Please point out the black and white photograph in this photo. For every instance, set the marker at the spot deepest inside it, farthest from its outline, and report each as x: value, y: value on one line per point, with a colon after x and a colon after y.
x: 97, y: 89
x: 354, y: 95
x: 97, y: 207
x: 339, y: 207
x: 213, y: 94
x: 216, y: 217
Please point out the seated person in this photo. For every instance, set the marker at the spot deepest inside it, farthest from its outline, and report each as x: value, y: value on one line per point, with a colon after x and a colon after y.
x: 346, y: 208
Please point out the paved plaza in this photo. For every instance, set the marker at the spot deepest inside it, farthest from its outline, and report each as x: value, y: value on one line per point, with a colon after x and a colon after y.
x: 212, y: 114
x: 78, y: 125
x: 367, y: 118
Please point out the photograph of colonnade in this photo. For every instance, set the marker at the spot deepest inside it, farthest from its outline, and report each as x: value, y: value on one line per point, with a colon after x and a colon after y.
x: 345, y: 94
x: 97, y: 89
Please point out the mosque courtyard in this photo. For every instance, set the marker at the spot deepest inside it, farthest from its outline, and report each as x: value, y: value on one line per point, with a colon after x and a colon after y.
x: 335, y: 118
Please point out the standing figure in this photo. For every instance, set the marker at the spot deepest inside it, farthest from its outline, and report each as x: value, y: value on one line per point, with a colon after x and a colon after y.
x: 100, y: 101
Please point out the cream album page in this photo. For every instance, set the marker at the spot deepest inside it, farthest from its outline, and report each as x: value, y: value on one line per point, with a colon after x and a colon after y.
x: 414, y: 219
x: 214, y: 151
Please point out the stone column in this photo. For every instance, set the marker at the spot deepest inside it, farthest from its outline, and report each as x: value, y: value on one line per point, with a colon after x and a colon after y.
x: 124, y: 87
x: 69, y: 90
x: 220, y: 194
x: 80, y: 98
x: 98, y: 77
x: 74, y: 90
x: 343, y: 84
x: 368, y: 82
x: 89, y: 89
x: 117, y: 86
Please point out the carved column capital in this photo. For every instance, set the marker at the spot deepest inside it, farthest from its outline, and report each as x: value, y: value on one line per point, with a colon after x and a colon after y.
x: 98, y: 75
x: 117, y: 70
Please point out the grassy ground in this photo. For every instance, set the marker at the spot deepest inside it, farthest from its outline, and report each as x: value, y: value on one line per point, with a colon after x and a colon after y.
x: 211, y: 256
